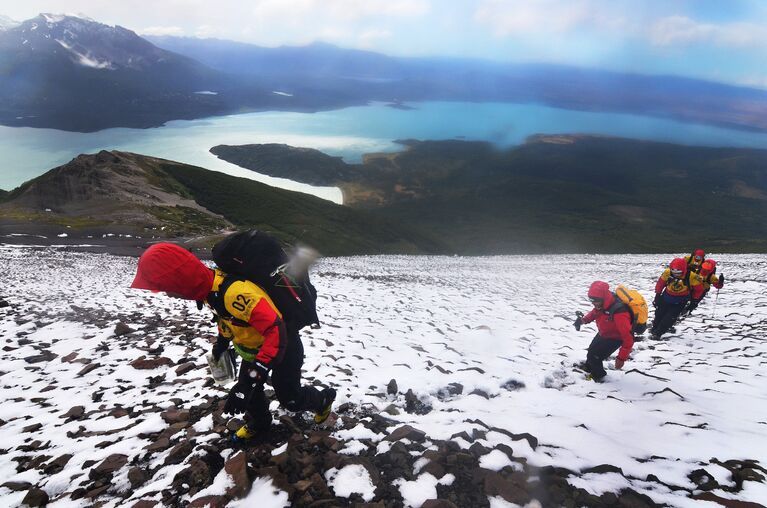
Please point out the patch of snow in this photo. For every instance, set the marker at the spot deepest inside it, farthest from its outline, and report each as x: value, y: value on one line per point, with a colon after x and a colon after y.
x: 351, y: 479
x: 84, y: 59
x: 417, y: 492
x: 263, y: 494
x: 206, y: 92
x: 62, y: 235
x: 284, y: 94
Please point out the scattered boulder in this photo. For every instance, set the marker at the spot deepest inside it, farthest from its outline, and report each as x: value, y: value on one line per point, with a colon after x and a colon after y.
x: 392, y: 388
x: 35, y: 497
x: 175, y: 415
x: 179, y: 453
x: 74, y: 413
x: 237, y: 468
x: 108, y: 466
x: 406, y: 432
x: 122, y: 329
x: 184, y: 368
x: 142, y: 363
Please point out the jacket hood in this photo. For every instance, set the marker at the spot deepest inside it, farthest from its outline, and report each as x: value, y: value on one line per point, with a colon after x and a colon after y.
x: 168, y: 267
x: 601, y: 290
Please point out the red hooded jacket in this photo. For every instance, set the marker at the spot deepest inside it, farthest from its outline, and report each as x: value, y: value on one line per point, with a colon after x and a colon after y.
x: 615, y: 326
x: 170, y: 268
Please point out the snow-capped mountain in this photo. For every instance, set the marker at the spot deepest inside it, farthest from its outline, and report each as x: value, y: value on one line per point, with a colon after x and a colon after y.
x: 457, y: 380
x: 85, y: 42
x: 69, y: 71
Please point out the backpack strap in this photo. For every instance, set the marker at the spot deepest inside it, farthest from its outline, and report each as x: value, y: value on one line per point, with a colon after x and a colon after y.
x: 217, y: 302
x: 616, y: 307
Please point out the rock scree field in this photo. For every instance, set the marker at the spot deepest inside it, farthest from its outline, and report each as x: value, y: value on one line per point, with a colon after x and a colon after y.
x: 457, y: 385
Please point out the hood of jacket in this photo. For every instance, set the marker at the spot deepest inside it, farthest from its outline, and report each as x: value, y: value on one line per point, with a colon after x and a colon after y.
x: 601, y: 290
x: 170, y: 268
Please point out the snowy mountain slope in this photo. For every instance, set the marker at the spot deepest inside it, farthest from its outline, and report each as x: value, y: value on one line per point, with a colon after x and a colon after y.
x: 485, y: 345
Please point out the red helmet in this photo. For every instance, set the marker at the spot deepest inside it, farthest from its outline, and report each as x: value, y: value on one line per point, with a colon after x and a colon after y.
x: 708, y: 267
x: 678, y: 268
x: 698, y: 256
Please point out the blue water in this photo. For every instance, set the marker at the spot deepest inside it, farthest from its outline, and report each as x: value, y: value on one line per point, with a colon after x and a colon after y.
x: 26, y: 153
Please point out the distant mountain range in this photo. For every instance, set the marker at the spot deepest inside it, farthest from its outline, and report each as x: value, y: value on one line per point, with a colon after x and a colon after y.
x: 74, y: 73
x: 552, y: 194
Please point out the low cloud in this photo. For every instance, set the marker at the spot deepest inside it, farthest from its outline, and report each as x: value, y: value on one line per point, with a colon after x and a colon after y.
x: 162, y: 30
x: 681, y: 30
x: 515, y: 17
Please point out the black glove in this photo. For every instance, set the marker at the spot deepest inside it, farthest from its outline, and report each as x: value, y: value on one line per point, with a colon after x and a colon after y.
x: 236, y: 401
x: 257, y: 372
x: 657, y: 301
x: 721, y: 279
x: 219, y: 347
x: 578, y: 322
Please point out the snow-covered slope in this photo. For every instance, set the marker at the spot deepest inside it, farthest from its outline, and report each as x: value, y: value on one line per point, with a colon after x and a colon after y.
x: 482, y: 351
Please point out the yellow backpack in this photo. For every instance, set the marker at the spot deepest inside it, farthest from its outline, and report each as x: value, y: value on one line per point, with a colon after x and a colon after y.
x: 636, y: 306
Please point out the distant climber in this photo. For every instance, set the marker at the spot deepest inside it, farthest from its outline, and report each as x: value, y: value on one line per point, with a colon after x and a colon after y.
x: 695, y: 260
x: 614, y: 330
x: 677, y: 287
x: 253, y: 325
x: 709, y: 278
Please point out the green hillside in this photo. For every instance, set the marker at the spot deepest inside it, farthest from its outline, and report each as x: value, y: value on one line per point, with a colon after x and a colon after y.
x: 567, y: 194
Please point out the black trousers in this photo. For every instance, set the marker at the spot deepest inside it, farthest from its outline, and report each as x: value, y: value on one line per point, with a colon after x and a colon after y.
x: 666, y: 314
x: 286, y: 381
x: 600, y: 349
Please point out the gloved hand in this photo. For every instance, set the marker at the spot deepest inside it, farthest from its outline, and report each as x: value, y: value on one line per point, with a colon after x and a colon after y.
x: 657, y: 300
x: 721, y: 279
x: 236, y: 400
x: 219, y: 347
x: 257, y: 371
x: 578, y: 321
x: 619, y: 363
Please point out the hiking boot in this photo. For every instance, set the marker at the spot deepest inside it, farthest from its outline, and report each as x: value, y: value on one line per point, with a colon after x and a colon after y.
x: 243, y: 435
x: 590, y: 377
x: 328, y: 396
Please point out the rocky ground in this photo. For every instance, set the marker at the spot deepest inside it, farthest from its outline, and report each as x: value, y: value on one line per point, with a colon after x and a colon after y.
x: 106, y: 399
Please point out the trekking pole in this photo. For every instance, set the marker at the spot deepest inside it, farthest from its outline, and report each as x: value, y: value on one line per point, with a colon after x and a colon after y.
x: 715, y: 301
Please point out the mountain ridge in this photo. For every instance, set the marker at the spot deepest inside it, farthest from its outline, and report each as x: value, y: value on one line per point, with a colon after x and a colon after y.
x: 157, y: 198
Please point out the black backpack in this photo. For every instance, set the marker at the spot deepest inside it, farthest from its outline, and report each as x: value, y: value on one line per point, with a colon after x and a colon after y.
x: 259, y: 258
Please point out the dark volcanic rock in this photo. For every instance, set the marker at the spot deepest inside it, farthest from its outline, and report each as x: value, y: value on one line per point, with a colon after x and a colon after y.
x: 123, y: 329
x: 414, y: 405
x: 142, y: 363
x: 35, y: 497
x: 108, y: 466
x: 16, y: 486
x: 75, y: 413
x: 88, y: 368
x: 392, y: 388
x: 237, y: 468
x: 406, y: 432
x: 175, y: 415
x: 137, y: 477
x: 45, y: 356
x: 179, y: 453
x: 184, y: 368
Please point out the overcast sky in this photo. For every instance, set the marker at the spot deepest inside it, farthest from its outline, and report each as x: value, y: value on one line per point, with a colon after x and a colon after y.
x: 725, y: 40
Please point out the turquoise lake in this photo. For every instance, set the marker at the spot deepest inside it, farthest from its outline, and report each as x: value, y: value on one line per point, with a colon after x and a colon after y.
x: 26, y: 152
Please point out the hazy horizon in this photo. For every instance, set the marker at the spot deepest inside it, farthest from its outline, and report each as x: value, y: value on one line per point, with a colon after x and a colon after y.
x: 710, y: 40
